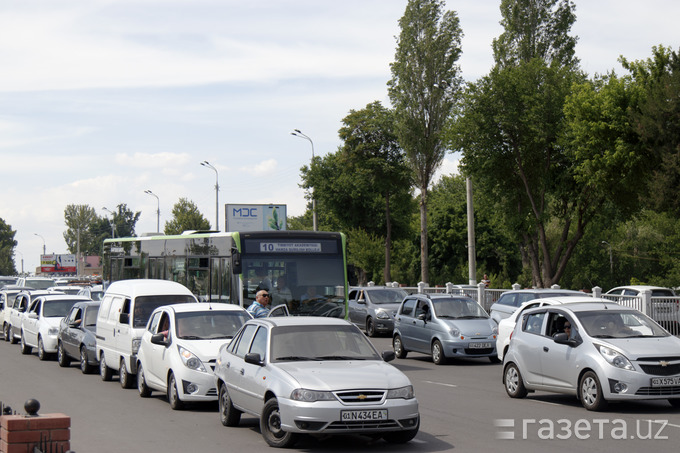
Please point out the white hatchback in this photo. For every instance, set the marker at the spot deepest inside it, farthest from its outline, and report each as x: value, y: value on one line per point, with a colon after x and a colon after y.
x: 179, y: 348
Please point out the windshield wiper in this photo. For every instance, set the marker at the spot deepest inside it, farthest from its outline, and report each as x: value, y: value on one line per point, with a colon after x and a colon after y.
x: 470, y: 317
x: 293, y: 358
x: 338, y: 357
x: 602, y: 336
x: 191, y: 337
x: 446, y: 317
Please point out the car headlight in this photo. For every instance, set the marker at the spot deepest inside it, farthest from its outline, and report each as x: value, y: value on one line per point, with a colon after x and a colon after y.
x: 190, y: 360
x: 310, y: 396
x: 494, y: 329
x: 614, y: 357
x: 381, y: 314
x: 136, y: 342
x: 52, y: 331
x: 454, y: 332
x: 402, y: 392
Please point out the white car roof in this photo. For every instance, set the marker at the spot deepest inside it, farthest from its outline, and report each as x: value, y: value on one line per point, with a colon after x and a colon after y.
x: 54, y: 296
x: 640, y: 287
x: 203, y: 306
x: 302, y: 321
x: 147, y: 287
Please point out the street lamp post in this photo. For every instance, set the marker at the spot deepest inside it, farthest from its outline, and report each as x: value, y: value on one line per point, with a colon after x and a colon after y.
x: 611, y: 260
x: 298, y: 133
x: 43, y: 239
x: 113, y: 225
x: 158, y: 211
x: 206, y: 164
x: 22, y: 261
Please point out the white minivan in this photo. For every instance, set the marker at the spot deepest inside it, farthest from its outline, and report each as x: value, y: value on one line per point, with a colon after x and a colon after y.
x: 123, y: 314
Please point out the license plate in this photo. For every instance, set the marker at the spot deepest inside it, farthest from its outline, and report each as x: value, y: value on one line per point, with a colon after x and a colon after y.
x: 665, y: 381
x: 479, y: 345
x: 354, y: 416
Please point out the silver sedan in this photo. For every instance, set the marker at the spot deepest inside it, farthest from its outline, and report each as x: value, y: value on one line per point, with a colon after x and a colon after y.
x: 315, y: 376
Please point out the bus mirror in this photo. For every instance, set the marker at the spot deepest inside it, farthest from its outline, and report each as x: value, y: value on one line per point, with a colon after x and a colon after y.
x: 235, y: 262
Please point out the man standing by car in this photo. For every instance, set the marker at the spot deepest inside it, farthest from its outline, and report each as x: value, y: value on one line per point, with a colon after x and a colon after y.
x: 259, y: 308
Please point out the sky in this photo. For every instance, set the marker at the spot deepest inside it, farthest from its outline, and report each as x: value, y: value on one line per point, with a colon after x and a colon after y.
x: 101, y: 100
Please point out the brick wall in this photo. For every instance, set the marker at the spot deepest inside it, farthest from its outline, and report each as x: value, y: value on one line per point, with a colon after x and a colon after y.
x: 20, y: 433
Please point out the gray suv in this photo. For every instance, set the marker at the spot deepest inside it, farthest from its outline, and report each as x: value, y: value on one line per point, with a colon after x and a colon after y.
x: 511, y: 300
x: 372, y: 308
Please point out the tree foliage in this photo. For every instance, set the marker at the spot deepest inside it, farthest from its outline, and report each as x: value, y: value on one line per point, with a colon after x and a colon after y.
x: 423, y: 89
x: 7, y: 245
x: 186, y: 216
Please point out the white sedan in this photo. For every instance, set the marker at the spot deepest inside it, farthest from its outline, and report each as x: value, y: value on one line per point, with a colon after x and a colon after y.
x: 313, y: 375
x: 507, y: 325
x: 179, y: 347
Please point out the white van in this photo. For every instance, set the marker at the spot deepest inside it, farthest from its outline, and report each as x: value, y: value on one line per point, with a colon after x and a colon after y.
x: 123, y: 314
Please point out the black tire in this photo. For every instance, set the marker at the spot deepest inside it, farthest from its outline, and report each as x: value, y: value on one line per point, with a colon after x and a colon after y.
x: 398, y: 347
x: 25, y: 349
x: 62, y: 359
x: 401, y: 437
x: 173, y: 394
x: 124, y: 375
x: 12, y: 338
x: 514, y: 384
x: 42, y: 355
x: 229, y: 415
x: 590, y: 392
x: 85, y: 366
x: 6, y: 332
x: 144, y: 390
x: 105, y: 372
x: 494, y: 359
x: 438, y: 356
x: 370, y: 327
x: 270, y: 426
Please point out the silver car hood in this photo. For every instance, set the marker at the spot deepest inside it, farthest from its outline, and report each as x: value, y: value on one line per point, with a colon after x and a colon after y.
x: 471, y: 327
x: 339, y: 375
x: 635, y: 348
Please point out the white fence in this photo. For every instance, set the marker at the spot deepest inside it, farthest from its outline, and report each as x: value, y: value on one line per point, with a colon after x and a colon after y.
x: 664, y: 310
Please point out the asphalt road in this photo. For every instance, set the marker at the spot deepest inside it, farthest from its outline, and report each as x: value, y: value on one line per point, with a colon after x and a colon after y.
x: 461, y: 404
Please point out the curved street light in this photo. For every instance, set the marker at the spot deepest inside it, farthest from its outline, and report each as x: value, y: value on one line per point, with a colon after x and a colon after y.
x: 113, y: 225
x: 158, y: 211
x: 298, y: 133
x: 43, y: 239
x: 206, y: 164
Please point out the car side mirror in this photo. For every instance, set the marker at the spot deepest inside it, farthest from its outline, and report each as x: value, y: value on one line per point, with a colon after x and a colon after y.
x: 124, y: 318
x: 361, y: 301
x: 33, y: 315
x: 388, y: 356
x: 158, y: 339
x: 254, y: 358
x: 563, y: 338
x: 424, y: 317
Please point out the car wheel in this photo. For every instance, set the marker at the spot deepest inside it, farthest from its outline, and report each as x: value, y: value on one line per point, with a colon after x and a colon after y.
x: 674, y: 402
x: 398, y: 347
x: 104, y: 371
x: 144, y: 390
x: 42, y: 355
x: 494, y: 359
x: 270, y: 426
x: 438, y: 356
x: 591, y: 392
x: 173, y: 394
x: 514, y: 385
x: 401, y: 437
x: 25, y: 349
x: 124, y: 376
x: 6, y: 332
x: 62, y: 358
x: 12, y: 338
x: 85, y: 366
x: 370, y: 327
x: 229, y: 415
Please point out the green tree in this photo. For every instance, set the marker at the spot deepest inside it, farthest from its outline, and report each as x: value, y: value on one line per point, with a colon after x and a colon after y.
x: 81, y: 235
x: 423, y: 89
x: 365, y: 184
x: 186, y: 216
x: 7, y: 245
x: 511, y: 134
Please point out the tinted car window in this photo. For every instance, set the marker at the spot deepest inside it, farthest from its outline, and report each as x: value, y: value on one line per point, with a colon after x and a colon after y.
x: 533, y: 323
x: 508, y: 299
x: 259, y: 345
x: 244, y: 341
x: 407, y: 308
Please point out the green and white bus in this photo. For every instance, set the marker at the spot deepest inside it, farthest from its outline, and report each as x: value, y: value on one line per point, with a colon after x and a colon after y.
x: 304, y: 271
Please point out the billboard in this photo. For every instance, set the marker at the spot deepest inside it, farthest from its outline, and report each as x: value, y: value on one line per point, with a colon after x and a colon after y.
x: 56, y: 263
x: 255, y: 217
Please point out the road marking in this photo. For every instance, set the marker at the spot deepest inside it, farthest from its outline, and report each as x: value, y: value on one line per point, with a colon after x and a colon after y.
x: 440, y: 383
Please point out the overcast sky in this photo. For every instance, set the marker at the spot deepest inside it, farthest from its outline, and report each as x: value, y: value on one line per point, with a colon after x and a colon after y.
x: 101, y: 100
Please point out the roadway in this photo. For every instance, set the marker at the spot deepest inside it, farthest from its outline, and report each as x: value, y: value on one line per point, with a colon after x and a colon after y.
x: 461, y: 406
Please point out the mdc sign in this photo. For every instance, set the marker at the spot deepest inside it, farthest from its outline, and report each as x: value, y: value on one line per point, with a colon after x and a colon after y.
x: 255, y: 217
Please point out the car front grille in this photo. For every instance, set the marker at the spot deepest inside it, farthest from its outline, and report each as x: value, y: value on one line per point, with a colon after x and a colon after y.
x: 659, y: 391
x: 211, y: 392
x: 658, y: 370
x: 361, y: 396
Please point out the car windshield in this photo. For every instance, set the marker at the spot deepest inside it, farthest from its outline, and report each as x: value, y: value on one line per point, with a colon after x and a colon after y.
x: 144, y: 305
x: 39, y: 284
x: 208, y: 325
x: 612, y: 324
x: 387, y: 296
x: 57, y: 308
x: 320, y: 342
x: 458, y: 309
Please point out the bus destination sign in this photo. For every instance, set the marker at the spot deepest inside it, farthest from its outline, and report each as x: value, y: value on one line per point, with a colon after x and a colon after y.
x: 290, y: 247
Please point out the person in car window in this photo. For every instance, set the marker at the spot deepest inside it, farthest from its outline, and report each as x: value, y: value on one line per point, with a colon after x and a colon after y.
x: 282, y: 294
x: 259, y: 308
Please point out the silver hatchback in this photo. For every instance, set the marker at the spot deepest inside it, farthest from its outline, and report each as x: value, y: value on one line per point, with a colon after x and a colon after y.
x: 598, y: 352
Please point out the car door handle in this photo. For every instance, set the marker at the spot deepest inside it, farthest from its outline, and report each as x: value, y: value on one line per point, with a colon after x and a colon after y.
x: 228, y: 365
x: 243, y: 371
x: 546, y: 349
